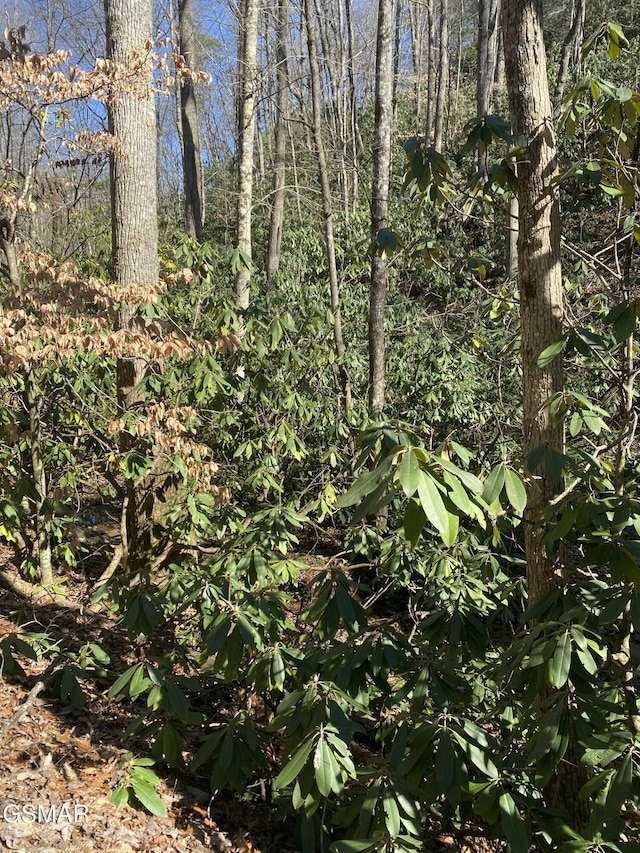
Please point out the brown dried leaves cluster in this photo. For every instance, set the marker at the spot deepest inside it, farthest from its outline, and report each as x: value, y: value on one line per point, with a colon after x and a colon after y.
x: 37, y: 82
x: 60, y: 314
x: 169, y: 429
x: 33, y: 79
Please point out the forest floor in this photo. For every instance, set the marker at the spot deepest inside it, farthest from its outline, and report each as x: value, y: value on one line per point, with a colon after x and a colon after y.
x: 65, y: 760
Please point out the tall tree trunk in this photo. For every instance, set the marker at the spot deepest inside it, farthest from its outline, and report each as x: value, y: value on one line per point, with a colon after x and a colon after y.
x: 134, y: 221
x: 380, y: 203
x: 539, y: 270
x: 511, y: 247
x: 416, y: 43
x: 355, y: 142
x: 431, y: 72
x: 247, y: 89
x: 570, y: 50
x: 279, y: 170
x: 443, y: 75
x: 487, y: 58
x: 327, y: 204
x: 192, y: 150
x: 487, y: 53
x: 541, y: 309
x: 43, y: 532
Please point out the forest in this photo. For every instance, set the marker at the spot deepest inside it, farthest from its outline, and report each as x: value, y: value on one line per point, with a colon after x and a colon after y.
x: 319, y: 473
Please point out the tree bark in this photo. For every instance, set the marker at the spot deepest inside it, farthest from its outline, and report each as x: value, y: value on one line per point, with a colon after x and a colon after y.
x: 570, y: 50
x: 380, y: 203
x: 192, y: 149
x: 541, y: 310
x: 8, y: 246
x: 134, y: 221
x: 42, y: 525
x: 487, y: 58
x: 279, y: 166
x: 327, y: 204
x: 355, y: 142
x: 431, y: 72
x: 248, y: 72
x: 443, y: 75
x: 539, y: 270
x: 487, y: 53
x: 133, y: 171
x: 416, y: 43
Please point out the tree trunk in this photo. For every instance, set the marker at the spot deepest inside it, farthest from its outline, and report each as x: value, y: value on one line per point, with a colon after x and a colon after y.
x: 380, y: 203
x: 511, y: 248
x: 443, y: 75
x: 42, y: 525
x: 539, y: 271
x: 279, y: 171
x: 191, y: 156
x: 431, y: 72
x: 570, y: 50
x: 487, y: 53
x: 541, y: 309
x: 487, y: 58
x: 355, y: 142
x: 416, y: 43
x: 8, y: 246
x: 327, y: 204
x: 248, y: 72
x: 134, y: 221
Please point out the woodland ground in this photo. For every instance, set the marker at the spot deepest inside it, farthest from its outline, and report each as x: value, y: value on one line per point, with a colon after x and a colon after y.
x: 56, y: 754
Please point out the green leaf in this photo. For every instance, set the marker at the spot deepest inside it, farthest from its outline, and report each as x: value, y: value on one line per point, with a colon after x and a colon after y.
x: 514, y: 827
x: 449, y: 535
x: 516, y: 491
x: 121, y: 683
x: 278, y: 669
x: 364, y: 845
x: 561, y: 662
x: 445, y: 761
x: 620, y: 789
x: 575, y: 425
x: 469, y: 481
x: 177, y: 701
x: 139, y: 683
x: 550, y: 734
x: 624, y: 324
x: 494, y: 484
x: 149, y: 798
x: 120, y: 796
x: 549, y: 353
x: 295, y: 764
x: 327, y: 769
x: 387, y: 241
x: 171, y: 744
x: 365, y: 484
x: 457, y: 493
x: 432, y: 504
x: 391, y: 814
x: 623, y: 564
x: 409, y: 473
x: 414, y: 521
x: 551, y: 461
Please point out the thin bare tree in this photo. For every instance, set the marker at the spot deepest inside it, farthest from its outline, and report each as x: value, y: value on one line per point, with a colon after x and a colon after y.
x: 380, y: 203
x: 247, y: 90
x: 327, y: 202
x: 190, y: 126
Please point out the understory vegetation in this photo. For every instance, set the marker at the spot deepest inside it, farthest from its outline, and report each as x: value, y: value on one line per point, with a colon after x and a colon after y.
x: 333, y: 610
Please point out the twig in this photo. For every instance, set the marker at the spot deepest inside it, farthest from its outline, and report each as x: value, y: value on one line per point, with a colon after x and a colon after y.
x: 15, y: 718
